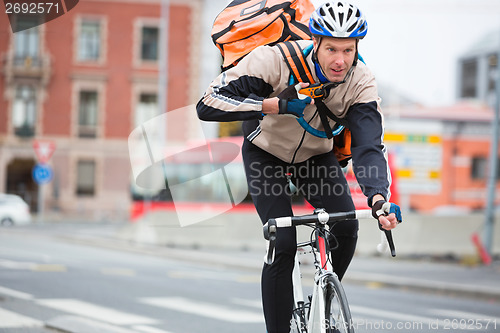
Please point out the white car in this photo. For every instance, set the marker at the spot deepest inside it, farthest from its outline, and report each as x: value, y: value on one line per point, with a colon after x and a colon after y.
x: 13, y: 210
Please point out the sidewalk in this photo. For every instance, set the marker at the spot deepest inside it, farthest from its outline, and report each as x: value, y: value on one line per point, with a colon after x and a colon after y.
x: 380, y: 271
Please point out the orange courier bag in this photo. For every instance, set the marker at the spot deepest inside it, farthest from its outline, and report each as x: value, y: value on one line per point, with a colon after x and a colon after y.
x: 244, y: 25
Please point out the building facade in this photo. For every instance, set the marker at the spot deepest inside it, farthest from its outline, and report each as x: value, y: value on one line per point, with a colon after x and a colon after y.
x: 441, y: 156
x: 442, y: 153
x: 84, y: 81
x: 477, y: 68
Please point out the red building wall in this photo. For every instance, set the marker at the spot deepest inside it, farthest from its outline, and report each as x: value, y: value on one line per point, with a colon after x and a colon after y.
x: 119, y: 77
x: 5, y: 33
x: 458, y: 187
x: 118, y: 68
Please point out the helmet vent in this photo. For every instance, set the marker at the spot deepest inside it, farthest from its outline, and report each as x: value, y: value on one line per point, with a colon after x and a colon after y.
x: 341, y: 18
x: 322, y: 11
x: 351, y: 28
x: 332, y: 14
x: 358, y: 13
x: 329, y: 26
x: 349, y: 13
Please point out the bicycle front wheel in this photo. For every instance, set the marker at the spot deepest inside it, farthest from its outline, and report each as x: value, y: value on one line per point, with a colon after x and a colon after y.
x: 337, y: 314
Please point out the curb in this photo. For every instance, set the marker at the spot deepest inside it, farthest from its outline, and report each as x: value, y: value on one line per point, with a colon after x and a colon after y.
x: 430, y: 286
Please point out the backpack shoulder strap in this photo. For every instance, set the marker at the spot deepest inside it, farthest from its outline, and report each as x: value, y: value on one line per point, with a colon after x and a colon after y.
x: 296, y: 61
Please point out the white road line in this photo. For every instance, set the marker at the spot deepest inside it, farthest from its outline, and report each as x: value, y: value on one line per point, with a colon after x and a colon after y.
x: 70, y: 323
x: 201, y: 275
x: 454, y: 314
x: 148, y: 329
x: 394, y: 315
x: 23, y: 265
x: 217, y: 276
x: 10, y: 319
x: 247, y: 302
x: 17, y: 264
x: 15, y: 293
x: 205, y: 309
x: 97, y: 312
x: 118, y: 271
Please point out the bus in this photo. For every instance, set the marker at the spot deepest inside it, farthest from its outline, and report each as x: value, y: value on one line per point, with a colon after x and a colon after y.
x: 210, y: 175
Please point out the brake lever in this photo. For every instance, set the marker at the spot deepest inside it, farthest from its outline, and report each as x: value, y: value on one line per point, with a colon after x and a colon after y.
x: 390, y: 241
x: 270, y: 235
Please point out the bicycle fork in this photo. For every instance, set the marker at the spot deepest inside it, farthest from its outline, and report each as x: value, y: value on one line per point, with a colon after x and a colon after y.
x: 299, y: 319
x: 311, y: 317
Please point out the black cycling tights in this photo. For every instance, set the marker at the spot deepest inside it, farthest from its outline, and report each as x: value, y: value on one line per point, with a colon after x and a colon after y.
x: 321, y: 181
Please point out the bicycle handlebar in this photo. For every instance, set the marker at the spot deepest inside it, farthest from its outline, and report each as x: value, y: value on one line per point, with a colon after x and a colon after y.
x: 271, y: 227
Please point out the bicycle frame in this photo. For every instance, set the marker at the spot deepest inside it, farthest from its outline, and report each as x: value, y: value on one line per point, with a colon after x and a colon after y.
x: 315, y: 319
x: 312, y: 317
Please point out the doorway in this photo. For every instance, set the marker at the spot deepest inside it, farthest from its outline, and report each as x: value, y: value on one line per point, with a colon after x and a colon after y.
x: 20, y: 181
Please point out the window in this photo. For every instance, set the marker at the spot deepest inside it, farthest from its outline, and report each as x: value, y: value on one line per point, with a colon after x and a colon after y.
x: 24, y: 111
x: 469, y: 79
x: 149, y: 43
x: 146, y: 109
x: 87, y: 114
x: 478, y: 169
x: 492, y: 78
x: 89, y: 41
x: 26, y: 42
x: 85, y: 182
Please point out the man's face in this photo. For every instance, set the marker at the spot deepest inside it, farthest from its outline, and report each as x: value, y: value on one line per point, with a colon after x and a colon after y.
x: 336, y: 56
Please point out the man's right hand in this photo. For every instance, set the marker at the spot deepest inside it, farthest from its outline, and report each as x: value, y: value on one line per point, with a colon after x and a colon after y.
x: 294, y: 107
x: 290, y: 103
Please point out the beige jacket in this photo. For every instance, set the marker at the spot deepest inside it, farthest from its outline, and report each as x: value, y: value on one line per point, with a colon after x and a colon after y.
x: 239, y: 92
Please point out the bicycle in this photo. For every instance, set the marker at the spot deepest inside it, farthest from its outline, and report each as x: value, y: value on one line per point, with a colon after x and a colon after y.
x: 327, y: 309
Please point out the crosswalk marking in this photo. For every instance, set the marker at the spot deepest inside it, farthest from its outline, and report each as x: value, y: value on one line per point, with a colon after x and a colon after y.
x: 118, y: 271
x: 15, y: 293
x: 24, y: 265
x: 49, y: 268
x: 97, y: 312
x: 217, y: 276
x: 205, y: 309
x: 148, y: 329
x: 142, y: 324
x: 247, y: 302
x: 17, y: 264
x: 462, y: 314
x: 69, y: 323
x: 10, y: 319
x: 394, y: 315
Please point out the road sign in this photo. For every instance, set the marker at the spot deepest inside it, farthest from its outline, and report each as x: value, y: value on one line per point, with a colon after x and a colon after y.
x: 42, y: 174
x: 44, y: 150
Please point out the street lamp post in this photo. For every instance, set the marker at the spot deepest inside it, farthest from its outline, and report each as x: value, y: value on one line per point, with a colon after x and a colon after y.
x: 163, y: 75
x: 492, y: 179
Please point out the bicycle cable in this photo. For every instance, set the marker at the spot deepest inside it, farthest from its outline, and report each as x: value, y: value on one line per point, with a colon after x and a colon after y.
x: 325, y: 233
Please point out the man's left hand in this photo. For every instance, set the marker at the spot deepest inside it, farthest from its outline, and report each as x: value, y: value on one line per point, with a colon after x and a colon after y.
x: 388, y: 214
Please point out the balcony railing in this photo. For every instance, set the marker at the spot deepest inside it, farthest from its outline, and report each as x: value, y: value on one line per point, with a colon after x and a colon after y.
x: 25, y: 131
x: 35, y: 67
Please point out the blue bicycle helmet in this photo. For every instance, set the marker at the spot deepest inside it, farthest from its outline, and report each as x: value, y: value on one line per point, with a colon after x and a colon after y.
x: 338, y: 19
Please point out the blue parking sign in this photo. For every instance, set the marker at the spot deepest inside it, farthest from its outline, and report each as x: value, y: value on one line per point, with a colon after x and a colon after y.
x: 42, y: 173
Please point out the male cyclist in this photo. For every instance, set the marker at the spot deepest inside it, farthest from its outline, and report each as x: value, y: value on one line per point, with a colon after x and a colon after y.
x: 278, y: 147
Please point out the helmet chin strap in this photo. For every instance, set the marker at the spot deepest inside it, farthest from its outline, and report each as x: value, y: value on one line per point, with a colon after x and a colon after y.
x: 321, y: 73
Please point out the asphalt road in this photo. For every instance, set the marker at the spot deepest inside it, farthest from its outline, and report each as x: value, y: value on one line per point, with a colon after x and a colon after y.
x: 47, y: 282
